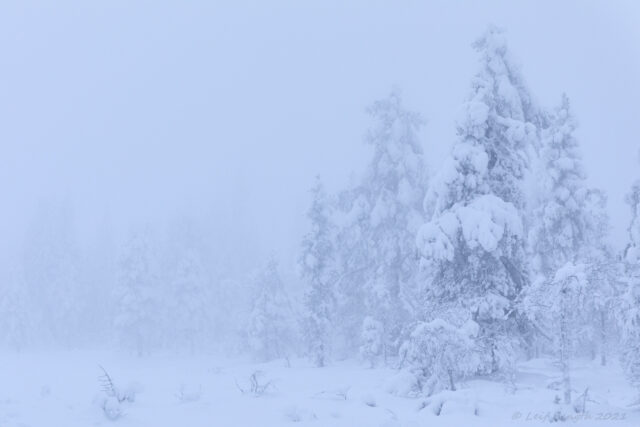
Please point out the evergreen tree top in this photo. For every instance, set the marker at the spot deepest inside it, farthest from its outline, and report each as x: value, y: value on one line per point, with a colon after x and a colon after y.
x: 397, y: 149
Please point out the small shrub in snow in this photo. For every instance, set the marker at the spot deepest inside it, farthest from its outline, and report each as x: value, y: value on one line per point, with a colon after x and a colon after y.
x: 257, y: 385
x: 113, y: 398
x: 127, y: 394
x: 295, y: 414
x: 110, y: 390
x: 188, y: 394
x: 369, y: 400
x: 292, y: 413
x: 341, y: 393
x: 112, y: 408
x: 558, y: 416
x: 404, y: 384
x: 45, y: 391
x: 441, y: 354
x: 448, y: 402
x: 581, y: 402
x: 372, y: 336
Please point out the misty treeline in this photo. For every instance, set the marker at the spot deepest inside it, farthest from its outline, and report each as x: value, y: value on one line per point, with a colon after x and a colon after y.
x: 499, y: 254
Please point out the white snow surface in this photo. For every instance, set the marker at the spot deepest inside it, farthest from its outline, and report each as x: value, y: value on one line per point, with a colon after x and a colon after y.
x: 63, y: 389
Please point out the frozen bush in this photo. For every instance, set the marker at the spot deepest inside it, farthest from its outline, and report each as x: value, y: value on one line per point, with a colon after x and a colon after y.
x: 112, y: 408
x: 188, y: 394
x: 257, y: 385
x: 112, y: 399
x: 441, y: 354
x: 372, y: 336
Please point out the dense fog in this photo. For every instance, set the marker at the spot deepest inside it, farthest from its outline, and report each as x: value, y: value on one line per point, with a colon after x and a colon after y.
x: 445, y: 189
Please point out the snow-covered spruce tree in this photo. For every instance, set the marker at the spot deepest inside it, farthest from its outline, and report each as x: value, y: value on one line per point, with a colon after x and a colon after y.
x: 99, y: 274
x: 318, y: 272
x: 560, y: 230
x: 230, y: 312
x: 473, y: 247
x: 270, y: 330
x: 15, y: 325
x: 603, y: 285
x: 51, y: 267
x: 136, y: 322
x: 383, y: 212
x: 630, y: 307
x: 189, y: 302
x: 394, y: 185
x: 187, y: 298
x: 554, y: 304
x: 372, y: 340
x: 632, y: 250
x: 570, y: 226
x: 352, y: 265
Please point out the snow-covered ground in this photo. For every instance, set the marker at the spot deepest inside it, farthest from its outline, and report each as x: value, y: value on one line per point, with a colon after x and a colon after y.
x: 63, y: 389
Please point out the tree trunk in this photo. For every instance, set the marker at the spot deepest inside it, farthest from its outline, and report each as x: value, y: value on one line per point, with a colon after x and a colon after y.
x: 564, y: 346
x: 603, y: 339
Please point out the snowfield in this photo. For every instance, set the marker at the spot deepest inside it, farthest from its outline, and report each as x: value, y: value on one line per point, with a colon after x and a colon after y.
x: 64, y: 389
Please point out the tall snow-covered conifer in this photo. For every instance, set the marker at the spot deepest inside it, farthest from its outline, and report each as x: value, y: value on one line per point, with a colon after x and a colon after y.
x: 187, y: 295
x: 52, y: 276
x: 318, y: 272
x: 376, y: 240
x: 15, y: 324
x: 189, y: 302
x: 394, y: 186
x: 570, y: 227
x: 560, y: 231
x: 631, y: 299
x: 603, y: 284
x: 270, y: 331
x: 632, y: 250
x: 473, y: 247
x: 137, y: 320
x: 353, y: 264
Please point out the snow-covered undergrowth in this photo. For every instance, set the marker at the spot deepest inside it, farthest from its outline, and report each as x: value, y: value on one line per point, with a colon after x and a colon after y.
x: 65, y: 389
